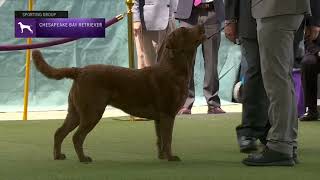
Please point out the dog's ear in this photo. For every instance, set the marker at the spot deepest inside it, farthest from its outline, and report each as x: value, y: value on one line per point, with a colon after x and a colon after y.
x: 174, y: 38
x: 170, y: 41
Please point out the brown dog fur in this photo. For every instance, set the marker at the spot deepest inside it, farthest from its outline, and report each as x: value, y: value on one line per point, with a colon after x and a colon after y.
x: 156, y: 92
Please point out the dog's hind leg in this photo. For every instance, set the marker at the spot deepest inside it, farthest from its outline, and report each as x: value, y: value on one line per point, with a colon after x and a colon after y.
x: 88, y: 120
x: 70, y: 123
x: 166, y: 130
x: 159, y: 140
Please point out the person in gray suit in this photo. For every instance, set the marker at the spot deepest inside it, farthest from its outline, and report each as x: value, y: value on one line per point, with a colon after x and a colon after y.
x: 255, y: 124
x: 211, y: 14
x: 277, y: 23
x: 153, y: 20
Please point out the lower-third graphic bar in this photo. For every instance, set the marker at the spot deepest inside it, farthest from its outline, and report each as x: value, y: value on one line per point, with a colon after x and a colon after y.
x: 60, y: 27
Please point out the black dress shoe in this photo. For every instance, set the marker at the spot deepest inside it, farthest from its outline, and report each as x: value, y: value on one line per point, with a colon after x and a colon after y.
x: 269, y: 157
x: 294, y: 154
x: 247, y: 144
x: 309, y: 116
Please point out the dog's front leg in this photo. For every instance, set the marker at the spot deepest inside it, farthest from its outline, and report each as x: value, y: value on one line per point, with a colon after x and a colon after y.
x: 166, y: 130
x: 161, y: 154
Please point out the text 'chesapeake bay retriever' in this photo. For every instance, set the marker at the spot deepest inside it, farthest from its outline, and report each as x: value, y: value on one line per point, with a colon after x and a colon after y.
x: 156, y: 92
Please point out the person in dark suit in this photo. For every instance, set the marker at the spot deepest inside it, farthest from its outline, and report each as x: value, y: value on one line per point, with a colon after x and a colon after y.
x: 211, y: 14
x: 278, y: 20
x: 255, y: 125
x: 311, y: 63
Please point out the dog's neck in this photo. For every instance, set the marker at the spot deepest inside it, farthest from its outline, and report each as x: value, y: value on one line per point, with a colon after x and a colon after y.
x: 181, y: 60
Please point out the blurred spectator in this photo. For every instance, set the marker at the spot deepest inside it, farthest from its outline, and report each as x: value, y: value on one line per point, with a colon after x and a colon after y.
x: 211, y: 14
x: 153, y: 20
x: 311, y: 63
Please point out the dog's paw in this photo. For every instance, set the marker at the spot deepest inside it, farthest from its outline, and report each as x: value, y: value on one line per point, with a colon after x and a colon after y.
x: 174, y: 158
x: 86, y: 159
x: 60, y: 157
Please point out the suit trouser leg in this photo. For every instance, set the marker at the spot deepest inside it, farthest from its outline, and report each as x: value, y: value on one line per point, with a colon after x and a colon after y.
x: 275, y: 36
x: 150, y: 39
x: 210, y: 50
x: 255, y: 122
x: 191, y: 90
x: 140, y: 50
x: 310, y: 85
x: 152, y: 42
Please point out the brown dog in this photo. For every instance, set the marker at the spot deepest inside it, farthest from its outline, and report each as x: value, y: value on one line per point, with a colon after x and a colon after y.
x: 155, y: 92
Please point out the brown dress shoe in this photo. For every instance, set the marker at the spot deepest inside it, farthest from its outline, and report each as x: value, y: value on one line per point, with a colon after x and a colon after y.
x: 184, y: 111
x: 215, y: 110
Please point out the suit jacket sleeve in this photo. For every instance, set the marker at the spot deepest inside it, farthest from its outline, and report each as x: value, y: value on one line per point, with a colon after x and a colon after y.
x: 232, y: 9
x: 314, y: 20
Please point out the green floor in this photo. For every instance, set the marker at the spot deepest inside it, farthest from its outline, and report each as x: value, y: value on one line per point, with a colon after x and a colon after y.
x: 126, y: 150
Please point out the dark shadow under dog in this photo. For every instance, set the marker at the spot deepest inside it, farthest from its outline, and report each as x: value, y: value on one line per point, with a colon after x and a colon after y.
x: 156, y: 92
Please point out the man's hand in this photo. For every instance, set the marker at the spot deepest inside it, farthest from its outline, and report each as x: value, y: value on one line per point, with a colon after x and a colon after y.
x: 137, y: 28
x: 230, y: 31
x: 312, y: 32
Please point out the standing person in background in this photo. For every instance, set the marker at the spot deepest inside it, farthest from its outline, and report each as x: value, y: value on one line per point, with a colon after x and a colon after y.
x: 211, y: 14
x: 311, y: 63
x: 153, y: 20
x: 255, y: 124
x: 278, y: 19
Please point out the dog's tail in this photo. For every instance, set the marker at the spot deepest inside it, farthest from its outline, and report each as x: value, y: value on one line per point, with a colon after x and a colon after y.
x: 51, y: 72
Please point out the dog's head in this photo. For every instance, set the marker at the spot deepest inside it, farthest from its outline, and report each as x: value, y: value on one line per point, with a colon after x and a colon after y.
x: 186, y: 38
x: 179, y: 48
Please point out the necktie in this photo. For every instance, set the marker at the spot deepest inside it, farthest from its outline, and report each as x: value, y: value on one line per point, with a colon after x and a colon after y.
x: 197, y: 2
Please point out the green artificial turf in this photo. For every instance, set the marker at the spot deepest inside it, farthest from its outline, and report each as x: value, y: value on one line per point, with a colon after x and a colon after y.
x: 126, y: 150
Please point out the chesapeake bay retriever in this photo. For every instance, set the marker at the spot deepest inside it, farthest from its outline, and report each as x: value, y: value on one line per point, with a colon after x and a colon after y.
x: 156, y: 92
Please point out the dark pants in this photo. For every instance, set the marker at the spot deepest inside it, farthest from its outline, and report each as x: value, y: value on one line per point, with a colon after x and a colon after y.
x: 310, y: 83
x: 255, y: 104
x: 210, y: 50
